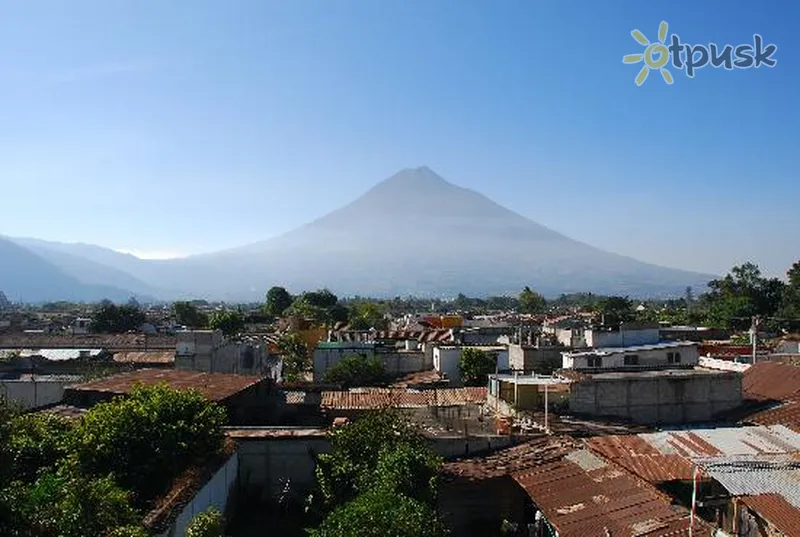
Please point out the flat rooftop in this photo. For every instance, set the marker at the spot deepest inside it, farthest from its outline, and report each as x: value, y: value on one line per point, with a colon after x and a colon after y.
x: 658, y: 373
x: 603, y: 351
x: 214, y: 386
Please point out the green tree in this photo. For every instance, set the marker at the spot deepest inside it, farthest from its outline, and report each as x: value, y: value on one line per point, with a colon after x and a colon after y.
x: 531, y: 302
x: 741, y: 294
x: 114, y: 319
x: 320, y: 306
x: 476, y: 365
x: 356, y: 370
x: 230, y: 322
x: 148, y: 438
x: 790, y: 303
x: 295, y: 356
x: 188, y: 315
x: 66, y: 504
x: 410, y: 471
x: 209, y: 523
x: 380, y: 513
x: 278, y: 301
x: 366, y: 315
x: 348, y: 468
x: 616, y: 310
x: 38, y: 441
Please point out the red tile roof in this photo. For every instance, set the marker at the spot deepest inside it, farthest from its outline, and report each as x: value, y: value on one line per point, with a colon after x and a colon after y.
x: 771, y: 381
x: 773, y: 508
x: 214, y: 386
x: 785, y: 414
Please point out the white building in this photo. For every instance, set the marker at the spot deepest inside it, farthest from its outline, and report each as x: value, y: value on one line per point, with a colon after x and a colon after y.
x: 658, y: 355
x: 617, y: 336
x: 81, y: 326
x: 447, y: 359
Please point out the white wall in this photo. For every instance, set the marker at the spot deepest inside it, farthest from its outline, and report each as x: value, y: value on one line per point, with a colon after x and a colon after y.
x: 215, y: 493
x: 446, y: 361
x: 647, y: 358
x: 34, y: 394
x: 622, y: 338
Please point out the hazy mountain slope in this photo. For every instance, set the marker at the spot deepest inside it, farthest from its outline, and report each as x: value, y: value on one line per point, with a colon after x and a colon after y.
x: 28, y: 277
x: 413, y: 233
x: 417, y: 233
x: 76, y: 260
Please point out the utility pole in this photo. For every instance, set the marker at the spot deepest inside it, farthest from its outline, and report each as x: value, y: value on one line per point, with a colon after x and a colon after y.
x: 754, y: 335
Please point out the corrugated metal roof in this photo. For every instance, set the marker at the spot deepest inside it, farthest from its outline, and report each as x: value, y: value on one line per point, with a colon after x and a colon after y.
x: 744, y: 475
x: 149, y: 357
x: 55, y: 355
x: 214, y: 386
x: 109, y: 342
x: 241, y: 433
x: 582, y: 502
x: 773, y: 508
x: 377, y: 398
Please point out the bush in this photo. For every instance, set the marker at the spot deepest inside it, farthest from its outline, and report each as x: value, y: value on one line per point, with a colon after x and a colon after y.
x: 356, y: 370
x: 410, y: 471
x: 380, y: 513
x: 209, y: 523
x: 476, y: 366
x: 148, y: 438
x: 349, y: 467
x: 63, y: 504
x: 38, y: 442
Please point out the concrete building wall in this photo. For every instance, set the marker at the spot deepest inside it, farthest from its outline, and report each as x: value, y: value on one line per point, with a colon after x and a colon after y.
x: 215, y: 493
x: 31, y: 394
x: 621, y: 338
x: 238, y: 358
x: 539, y: 359
x: 645, y: 358
x: 658, y: 399
x: 395, y: 362
x: 446, y: 361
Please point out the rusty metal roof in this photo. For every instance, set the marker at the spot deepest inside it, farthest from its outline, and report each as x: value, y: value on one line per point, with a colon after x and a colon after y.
x: 109, y: 342
x: 773, y: 508
x: 787, y: 414
x: 243, y: 433
x: 506, y: 462
x: 214, y: 386
x: 584, y: 497
x: 377, y: 398
x: 771, y: 381
x: 146, y: 357
x: 668, y: 455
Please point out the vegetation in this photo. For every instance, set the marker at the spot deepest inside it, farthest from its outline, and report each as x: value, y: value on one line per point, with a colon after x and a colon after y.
x: 531, y: 302
x: 188, y: 315
x: 148, y: 438
x: 114, y: 319
x: 209, y: 523
x: 356, y: 370
x: 296, y: 358
x: 366, y: 315
x: 278, y: 301
x: 59, y: 478
x: 476, y: 366
x: 616, y: 310
x: 320, y: 306
x: 379, y: 478
x: 230, y: 322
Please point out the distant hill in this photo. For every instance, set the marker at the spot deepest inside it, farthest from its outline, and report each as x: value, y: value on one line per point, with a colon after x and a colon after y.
x: 27, y: 277
x: 413, y: 233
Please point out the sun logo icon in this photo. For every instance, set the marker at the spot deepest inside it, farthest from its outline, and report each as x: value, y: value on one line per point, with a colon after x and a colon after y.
x: 655, y: 56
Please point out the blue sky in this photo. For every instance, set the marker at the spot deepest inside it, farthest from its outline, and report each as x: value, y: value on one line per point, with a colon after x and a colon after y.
x: 188, y: 126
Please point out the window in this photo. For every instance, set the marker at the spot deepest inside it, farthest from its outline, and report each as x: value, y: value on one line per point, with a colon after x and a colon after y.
x: 594, y: 361
x: 673, y: 357
x: 631, y: 359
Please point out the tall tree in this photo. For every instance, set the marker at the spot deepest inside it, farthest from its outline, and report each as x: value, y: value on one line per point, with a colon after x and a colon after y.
x: 616, y: 310
x: 230, y: 322
x: 531, y: 302
x: 476, y: 365
x: 741, y: 294
x: 110, y: 318
x: 278, y: 301
x: 188, y: 315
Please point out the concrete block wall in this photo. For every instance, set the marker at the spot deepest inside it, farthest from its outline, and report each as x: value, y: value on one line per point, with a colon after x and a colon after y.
x: 658, y: 399
x: 34, y: 394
